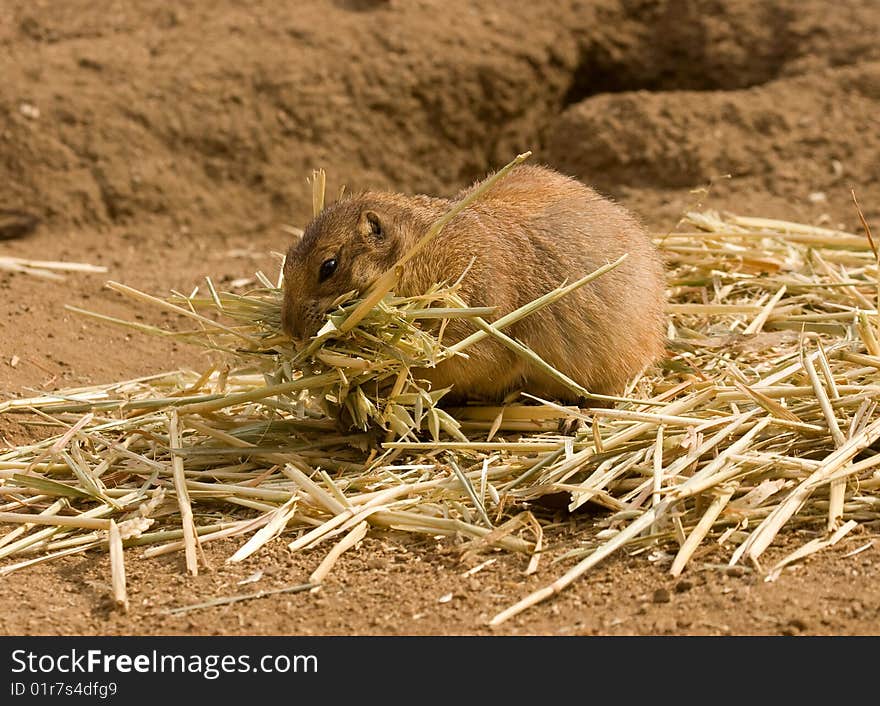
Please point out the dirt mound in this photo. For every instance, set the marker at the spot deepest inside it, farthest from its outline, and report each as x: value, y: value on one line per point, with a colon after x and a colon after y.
x: 708, y: 45
x: 212, y: 116
x: 789, y: 137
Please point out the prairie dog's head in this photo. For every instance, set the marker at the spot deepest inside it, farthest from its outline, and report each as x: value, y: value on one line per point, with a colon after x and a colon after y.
x: 345, y: 248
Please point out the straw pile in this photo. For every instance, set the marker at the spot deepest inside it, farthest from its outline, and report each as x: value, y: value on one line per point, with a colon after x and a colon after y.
x: 762, y: 418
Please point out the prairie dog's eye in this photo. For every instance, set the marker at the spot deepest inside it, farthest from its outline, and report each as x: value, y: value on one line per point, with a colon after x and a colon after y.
x: 328, y: 267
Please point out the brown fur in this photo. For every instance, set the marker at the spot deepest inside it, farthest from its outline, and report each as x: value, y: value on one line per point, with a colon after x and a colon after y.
x: 531, y: 232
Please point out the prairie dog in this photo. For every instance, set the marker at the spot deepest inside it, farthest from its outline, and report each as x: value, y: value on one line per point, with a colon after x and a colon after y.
x: 532, y: 231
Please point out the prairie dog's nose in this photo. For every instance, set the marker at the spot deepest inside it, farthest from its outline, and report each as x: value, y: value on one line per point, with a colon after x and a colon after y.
x: 290, y: 322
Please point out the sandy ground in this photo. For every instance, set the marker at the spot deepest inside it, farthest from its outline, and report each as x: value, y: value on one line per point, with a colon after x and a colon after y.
x: 172, y: 143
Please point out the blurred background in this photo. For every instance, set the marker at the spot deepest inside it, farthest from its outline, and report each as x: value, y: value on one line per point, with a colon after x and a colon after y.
x: 211, y: 114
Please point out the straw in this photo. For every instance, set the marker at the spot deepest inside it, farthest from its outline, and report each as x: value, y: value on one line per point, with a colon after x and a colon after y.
x: 762, y: 417
x: 117, y: 567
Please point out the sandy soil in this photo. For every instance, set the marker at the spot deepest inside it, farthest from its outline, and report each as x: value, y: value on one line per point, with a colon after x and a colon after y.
x: 172, y: 143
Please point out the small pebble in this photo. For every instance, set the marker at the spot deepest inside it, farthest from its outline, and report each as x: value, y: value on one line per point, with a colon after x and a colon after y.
x: 798, y: 624
x: 661, y: 595
x: 29, y: 111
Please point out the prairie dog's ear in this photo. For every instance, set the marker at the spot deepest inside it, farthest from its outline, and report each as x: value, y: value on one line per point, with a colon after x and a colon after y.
x: 296, y: 234
x: 370, y: 226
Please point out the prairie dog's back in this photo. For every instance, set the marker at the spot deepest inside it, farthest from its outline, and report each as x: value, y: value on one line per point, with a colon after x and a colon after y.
x: 530, y: 233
